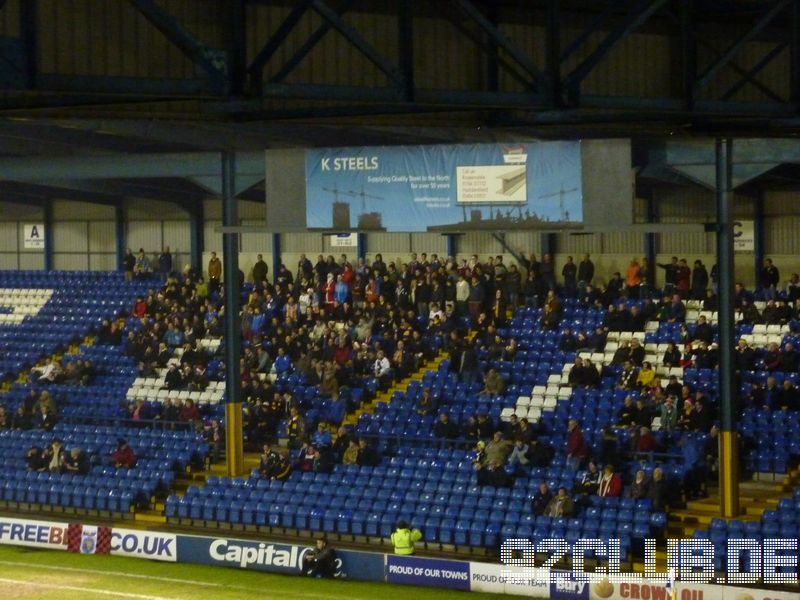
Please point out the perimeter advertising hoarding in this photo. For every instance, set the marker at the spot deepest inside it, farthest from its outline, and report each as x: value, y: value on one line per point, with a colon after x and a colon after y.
x: 444, y: 188
x: 274, y: 558
x: 428, y: 572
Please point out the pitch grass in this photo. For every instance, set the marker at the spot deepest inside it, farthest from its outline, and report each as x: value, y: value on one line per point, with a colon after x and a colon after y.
x: 26, y: 573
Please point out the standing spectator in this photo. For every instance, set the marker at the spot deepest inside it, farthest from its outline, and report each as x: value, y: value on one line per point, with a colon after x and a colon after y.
x: 547, y: 272
x: 260, y: 271
x: 699, y: 280
x: 570, y: 274
x: 214, y: 272
x: 682, y: 278
x: 633, y: 278
x: 655, y: 490
x: 585, y: 272
x: 576, y: 445
x: 670, y: 276
x: 142, y: 269
x: 769, y: 279
x: 165, y: 263
x: 128, y: 264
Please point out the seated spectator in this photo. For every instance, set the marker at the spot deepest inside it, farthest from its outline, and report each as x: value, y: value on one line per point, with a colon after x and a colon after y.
x: 644, y: 413
x: 639, y: 486
x: 519, y: 454
x: 576, y: 445
x: 788, y: 397
x: 628, y: 377
x: 305, y: 458
x: 5, y: 418
x: 21, y: 421
x: 610, y: 484
x: 668, y: 411
x: 51, y: 372
x: 485, y: 426
x: 637, y: 352
x: 589, y: 481
x: 34, y: 459
x: 427, y: 404
x: 54, y: 456
x: 124, y: 456
x: 189, y: 413
x: 367, y: 455
x: 382, y: 369
x: 173, y: 380
x: 583, y: 374
x: 561, y: 505
x: 77, y: 462
x: 788, y: 362
x: 673, y: 388
x: 45, y: 420
x: 541, y: 499
x: 702, y: 331
x: 493, y: 383
x: 672, y: 356
x: 622, y: 353
x: 470, y: 429
x: 494, y: 474
x: 350, y: 455
x: 322, y: 437
x: 498, y: 449
x: 539, y: 454
x: 321, y: 561
x: 647, y: 441
x: 647, y: 376
x: 511, y: 427
x: 444, y: 428
x: 750, y: 314
x: 627, y: 414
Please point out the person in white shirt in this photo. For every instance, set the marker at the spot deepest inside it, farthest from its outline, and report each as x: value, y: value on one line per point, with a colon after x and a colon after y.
x: 381, y: 368
x: 462, y: 295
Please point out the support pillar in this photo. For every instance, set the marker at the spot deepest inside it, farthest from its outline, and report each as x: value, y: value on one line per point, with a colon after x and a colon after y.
x: 196, y: 236
x: 230, y: 275
x: 48, y: 234
x: 650, y: 242
x: 276, y: 256
x: 119, y: 229
x: 361, y: 246
x: 758, y: 235
x: 548, y: 245
x: 728, y: 446
x: 452, y: 244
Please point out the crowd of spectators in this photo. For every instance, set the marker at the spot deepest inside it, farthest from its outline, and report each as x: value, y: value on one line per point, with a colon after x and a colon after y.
x: 337, y: 324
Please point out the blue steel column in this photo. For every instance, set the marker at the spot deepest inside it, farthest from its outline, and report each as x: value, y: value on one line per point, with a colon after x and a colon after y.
x: 48, y: 234
x: 452, y: 244
x: 230, y: 276
x: 650, y: 243
x: 276, y: 256
x: 119, y: 230
x: 728, y: 451
x: 758, y: 235
x: 196, y: 241
x: 361, y: 245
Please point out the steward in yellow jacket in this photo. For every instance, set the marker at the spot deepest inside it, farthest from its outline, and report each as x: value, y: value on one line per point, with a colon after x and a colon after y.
x: 403, y: 538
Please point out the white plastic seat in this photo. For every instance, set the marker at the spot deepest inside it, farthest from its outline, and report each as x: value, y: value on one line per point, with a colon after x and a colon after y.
x: 523, y: 400
x: 505, y: 414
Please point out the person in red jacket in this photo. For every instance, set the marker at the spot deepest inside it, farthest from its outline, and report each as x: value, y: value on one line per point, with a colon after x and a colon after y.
x: 576, y: 445
x: 647, y: 441
x: 610, y: 484
x: 124, y: 456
